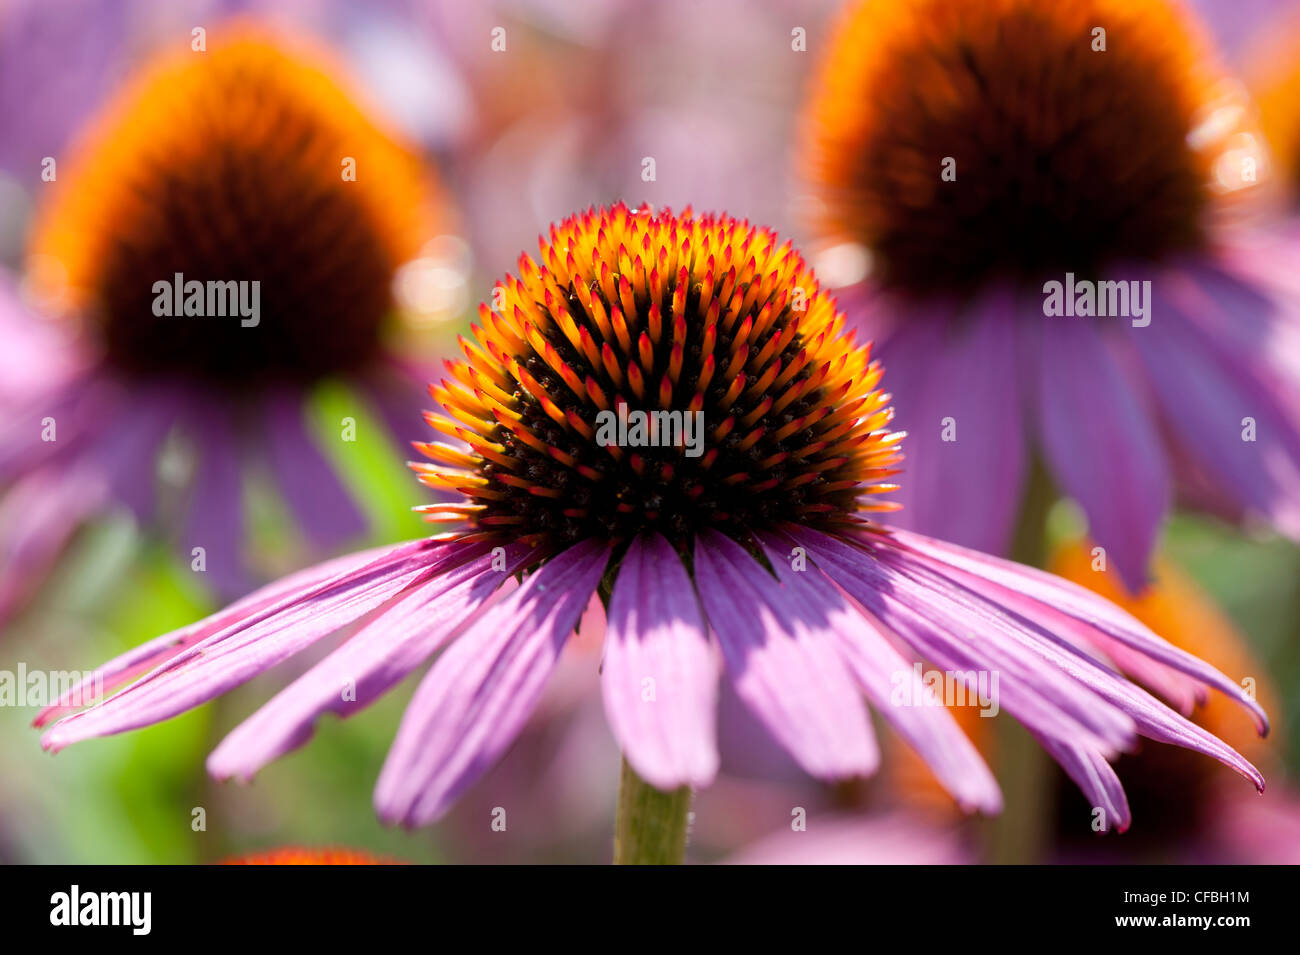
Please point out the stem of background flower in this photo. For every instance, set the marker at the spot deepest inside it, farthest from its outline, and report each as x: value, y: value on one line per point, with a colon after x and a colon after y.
x: 1018, y: 834
x: 650, y: 828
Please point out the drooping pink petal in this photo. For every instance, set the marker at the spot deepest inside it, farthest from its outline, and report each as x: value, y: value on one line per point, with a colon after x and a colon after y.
x: 659, y: 677
x: 968, y: 641
x: 1153, y: 718
x: 255, y: 643
x: 1101, y: 444
x: 373, y: 660
x: 1051, y: 655
x: 877, y: 666
x: 125, y: 668
x: 479, y: 693
x: 1083, y: 604
x: 128, y: 455
x: 1179, y: 688
x: 73, y: 412
x: 786, y: 670
x: 1095, y: 778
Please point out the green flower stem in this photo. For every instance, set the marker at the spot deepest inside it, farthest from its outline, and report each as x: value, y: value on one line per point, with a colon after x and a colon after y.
x: 650, y: 828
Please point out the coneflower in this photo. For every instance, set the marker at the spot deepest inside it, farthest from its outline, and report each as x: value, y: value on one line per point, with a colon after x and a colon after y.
x: 1049, y: 197
x: 224, y: 238
x: 758, y: 548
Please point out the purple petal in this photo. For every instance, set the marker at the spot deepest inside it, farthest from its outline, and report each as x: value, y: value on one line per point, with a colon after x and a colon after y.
x: 317, y: 499
x: 1095, y: 778
x: 215, y: 520
x: 876, y: 665
x: 147, y: 656
x: 129, y: 454
x: 480, y: 692
x: 1206, y: 394
x: 1083, y: 604
x: 943, y: 625
x: 397, y: 392
x: 656, y: 635
x: 967, y: 488
x: 1102, y: 446
x: 786, y: 669
x: 1051, y: 656
x: 38, y: 516
x: 370, y: 662
x: 256, y: 643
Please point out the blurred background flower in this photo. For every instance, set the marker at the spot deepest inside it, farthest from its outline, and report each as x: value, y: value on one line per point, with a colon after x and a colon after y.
x: 227, y: 167
x: 1122, y: 156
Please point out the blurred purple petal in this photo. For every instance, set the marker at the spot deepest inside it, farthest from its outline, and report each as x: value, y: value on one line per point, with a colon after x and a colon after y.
x: 1101, y: 445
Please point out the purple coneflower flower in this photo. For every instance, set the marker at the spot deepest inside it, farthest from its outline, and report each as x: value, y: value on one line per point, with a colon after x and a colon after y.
x: 224, y: 240
x: 751, y: 546
x: 1043, y: 196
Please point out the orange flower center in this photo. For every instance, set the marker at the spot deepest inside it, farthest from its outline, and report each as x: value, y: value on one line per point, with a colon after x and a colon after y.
x: 659, y: 371
x: 214, y: 171
x: 966, y: 141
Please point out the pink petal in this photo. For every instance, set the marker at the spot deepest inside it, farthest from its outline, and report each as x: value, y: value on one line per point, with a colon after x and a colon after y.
x: 1083, y: 604
x: 786, y: 669
x: 656, y: 638
x: 1095, y: 778
x: 147, y: 656
x: 372, y: 661
x: 874, y: 662
x: 255, y: 643
x: 479, y: 693
x: 1051, y: 654
x: 950, y: 628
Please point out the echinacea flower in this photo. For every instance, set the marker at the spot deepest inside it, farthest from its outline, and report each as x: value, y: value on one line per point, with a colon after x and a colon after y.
x: 990, y: 165
x: 755, y: 548
x: 223, y: 240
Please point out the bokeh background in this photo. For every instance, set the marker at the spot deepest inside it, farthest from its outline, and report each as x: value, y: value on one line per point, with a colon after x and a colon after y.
x: 560, y: 120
